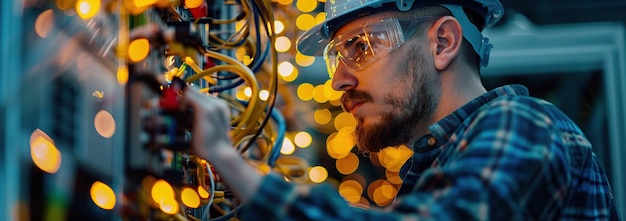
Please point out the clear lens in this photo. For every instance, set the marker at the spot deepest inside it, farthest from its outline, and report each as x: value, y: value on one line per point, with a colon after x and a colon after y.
x: 332, y: 59
x: 363, y: 45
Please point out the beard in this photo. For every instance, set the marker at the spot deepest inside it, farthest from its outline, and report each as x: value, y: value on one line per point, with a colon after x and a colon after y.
x: 412, y: 102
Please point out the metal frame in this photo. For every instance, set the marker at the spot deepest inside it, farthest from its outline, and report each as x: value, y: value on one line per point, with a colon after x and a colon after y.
x: 10, y: 45
x: 573, y: 48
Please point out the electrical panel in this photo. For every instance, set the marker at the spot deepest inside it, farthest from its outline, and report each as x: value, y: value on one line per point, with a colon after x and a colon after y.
x: 100, y: 106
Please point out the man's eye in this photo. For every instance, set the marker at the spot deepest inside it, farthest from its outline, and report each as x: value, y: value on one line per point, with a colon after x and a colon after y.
x: 363, y: 46
x: 358, y: 44
x: 350, y: 42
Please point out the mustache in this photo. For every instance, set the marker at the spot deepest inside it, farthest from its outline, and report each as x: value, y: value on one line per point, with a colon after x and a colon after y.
x: 355, y: 96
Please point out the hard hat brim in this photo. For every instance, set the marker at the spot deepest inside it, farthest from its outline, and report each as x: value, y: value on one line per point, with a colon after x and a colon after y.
x: 313, y: 41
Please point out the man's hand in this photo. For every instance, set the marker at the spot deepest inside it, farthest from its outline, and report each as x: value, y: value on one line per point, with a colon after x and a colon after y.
x: 211, y: 125
x: 210, y: 140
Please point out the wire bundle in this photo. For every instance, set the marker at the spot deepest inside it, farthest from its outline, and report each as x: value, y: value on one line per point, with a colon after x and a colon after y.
x: 254, y: 120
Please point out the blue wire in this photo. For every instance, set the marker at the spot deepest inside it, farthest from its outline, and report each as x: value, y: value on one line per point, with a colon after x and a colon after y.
x: 280, y: 137
x: 227, y: 216
x: 280, y: 120
x: 275, y: 114
x: 220, y: 88
x: 282, y: 127
x: 211, y: 191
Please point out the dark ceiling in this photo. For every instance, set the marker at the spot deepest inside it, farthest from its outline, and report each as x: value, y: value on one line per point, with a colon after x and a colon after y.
x: 542, y: 12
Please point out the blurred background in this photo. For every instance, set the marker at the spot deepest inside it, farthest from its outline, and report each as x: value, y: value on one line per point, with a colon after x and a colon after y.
x: 86, y: 132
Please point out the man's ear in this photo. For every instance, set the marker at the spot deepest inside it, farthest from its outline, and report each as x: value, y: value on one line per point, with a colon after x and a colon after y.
x: 447, y: 37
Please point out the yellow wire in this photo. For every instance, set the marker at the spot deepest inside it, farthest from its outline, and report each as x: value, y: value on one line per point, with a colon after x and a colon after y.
x: 181, y: 70
x: 191, y: 63
x: 249, y: 119
x: 250, y: 114
x: 241, y: 33
x: 273, y: 73
x: 211, y: 70
x: 269, y: 134
x: 222, y: 22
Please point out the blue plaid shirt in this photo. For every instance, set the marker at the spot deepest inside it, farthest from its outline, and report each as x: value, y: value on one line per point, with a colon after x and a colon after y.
x: 502, y: 156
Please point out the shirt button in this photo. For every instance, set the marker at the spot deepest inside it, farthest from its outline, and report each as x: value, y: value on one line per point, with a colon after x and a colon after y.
x: 432, y: 141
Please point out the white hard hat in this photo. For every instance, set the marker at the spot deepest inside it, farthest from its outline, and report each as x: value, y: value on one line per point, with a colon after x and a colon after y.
x: 340, y: 12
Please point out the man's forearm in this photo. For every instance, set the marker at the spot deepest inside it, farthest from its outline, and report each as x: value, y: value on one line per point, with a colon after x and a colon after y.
x: 235, y: 171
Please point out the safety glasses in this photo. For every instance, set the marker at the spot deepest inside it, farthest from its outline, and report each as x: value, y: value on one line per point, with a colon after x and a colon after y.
x: 363, y: 45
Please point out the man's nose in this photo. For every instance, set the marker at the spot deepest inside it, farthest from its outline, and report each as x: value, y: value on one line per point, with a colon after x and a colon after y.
x: 343, y: 78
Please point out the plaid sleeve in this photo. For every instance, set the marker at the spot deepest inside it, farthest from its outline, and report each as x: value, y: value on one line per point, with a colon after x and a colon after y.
x: 280, y: 200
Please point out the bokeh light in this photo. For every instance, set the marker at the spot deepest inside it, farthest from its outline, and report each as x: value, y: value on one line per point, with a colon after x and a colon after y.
x: 393, y: 158
x: 241, y: 94
x: 162, y: 191
x: 104, y: 124
x: 305, y: 91
x: 318, y: 94
x: 318, y: 174
x: 322, y: 116
x: 329, y: 92
x: 193, y: 3
x: 86, y: 9
x: 264, y: 95
x: 102, y: 195
x: 344, y: 120
x: 320, y: 17
x: 283, y: 44
x: 381, y: 192
x: 138, y: 49
x: 288, y: 148
x: 146, y: 3
x: 305, y: 21
x: 306, y: 5
x: 239, y: 25
x: 341, y: 146
x: 44, y: 152
x: 285, y: 2
x: 303, y: 139
x: 348, y: 164
x: 190, y: 197
x: 304, y: 60
x: 204, y: 194
x: 279, y: 26
x: 351, y: 191
x: 241, y: 54
x: 122, y: 74
x: 169, y: 206
x: 247, y: 91
x: 285, y: 68
x: 44, y: 23
x: 393, y: 177
x: 341, y: 143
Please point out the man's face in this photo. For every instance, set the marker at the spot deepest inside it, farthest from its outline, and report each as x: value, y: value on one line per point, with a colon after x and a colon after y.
x: 390, y: 97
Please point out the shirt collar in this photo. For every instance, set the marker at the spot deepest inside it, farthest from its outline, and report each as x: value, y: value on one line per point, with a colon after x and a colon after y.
x: 440, y: 132
x: 429, y: 146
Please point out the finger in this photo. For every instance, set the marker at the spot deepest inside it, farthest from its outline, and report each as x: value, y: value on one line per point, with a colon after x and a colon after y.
x: 201, y: 103
x: 190, y: 98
